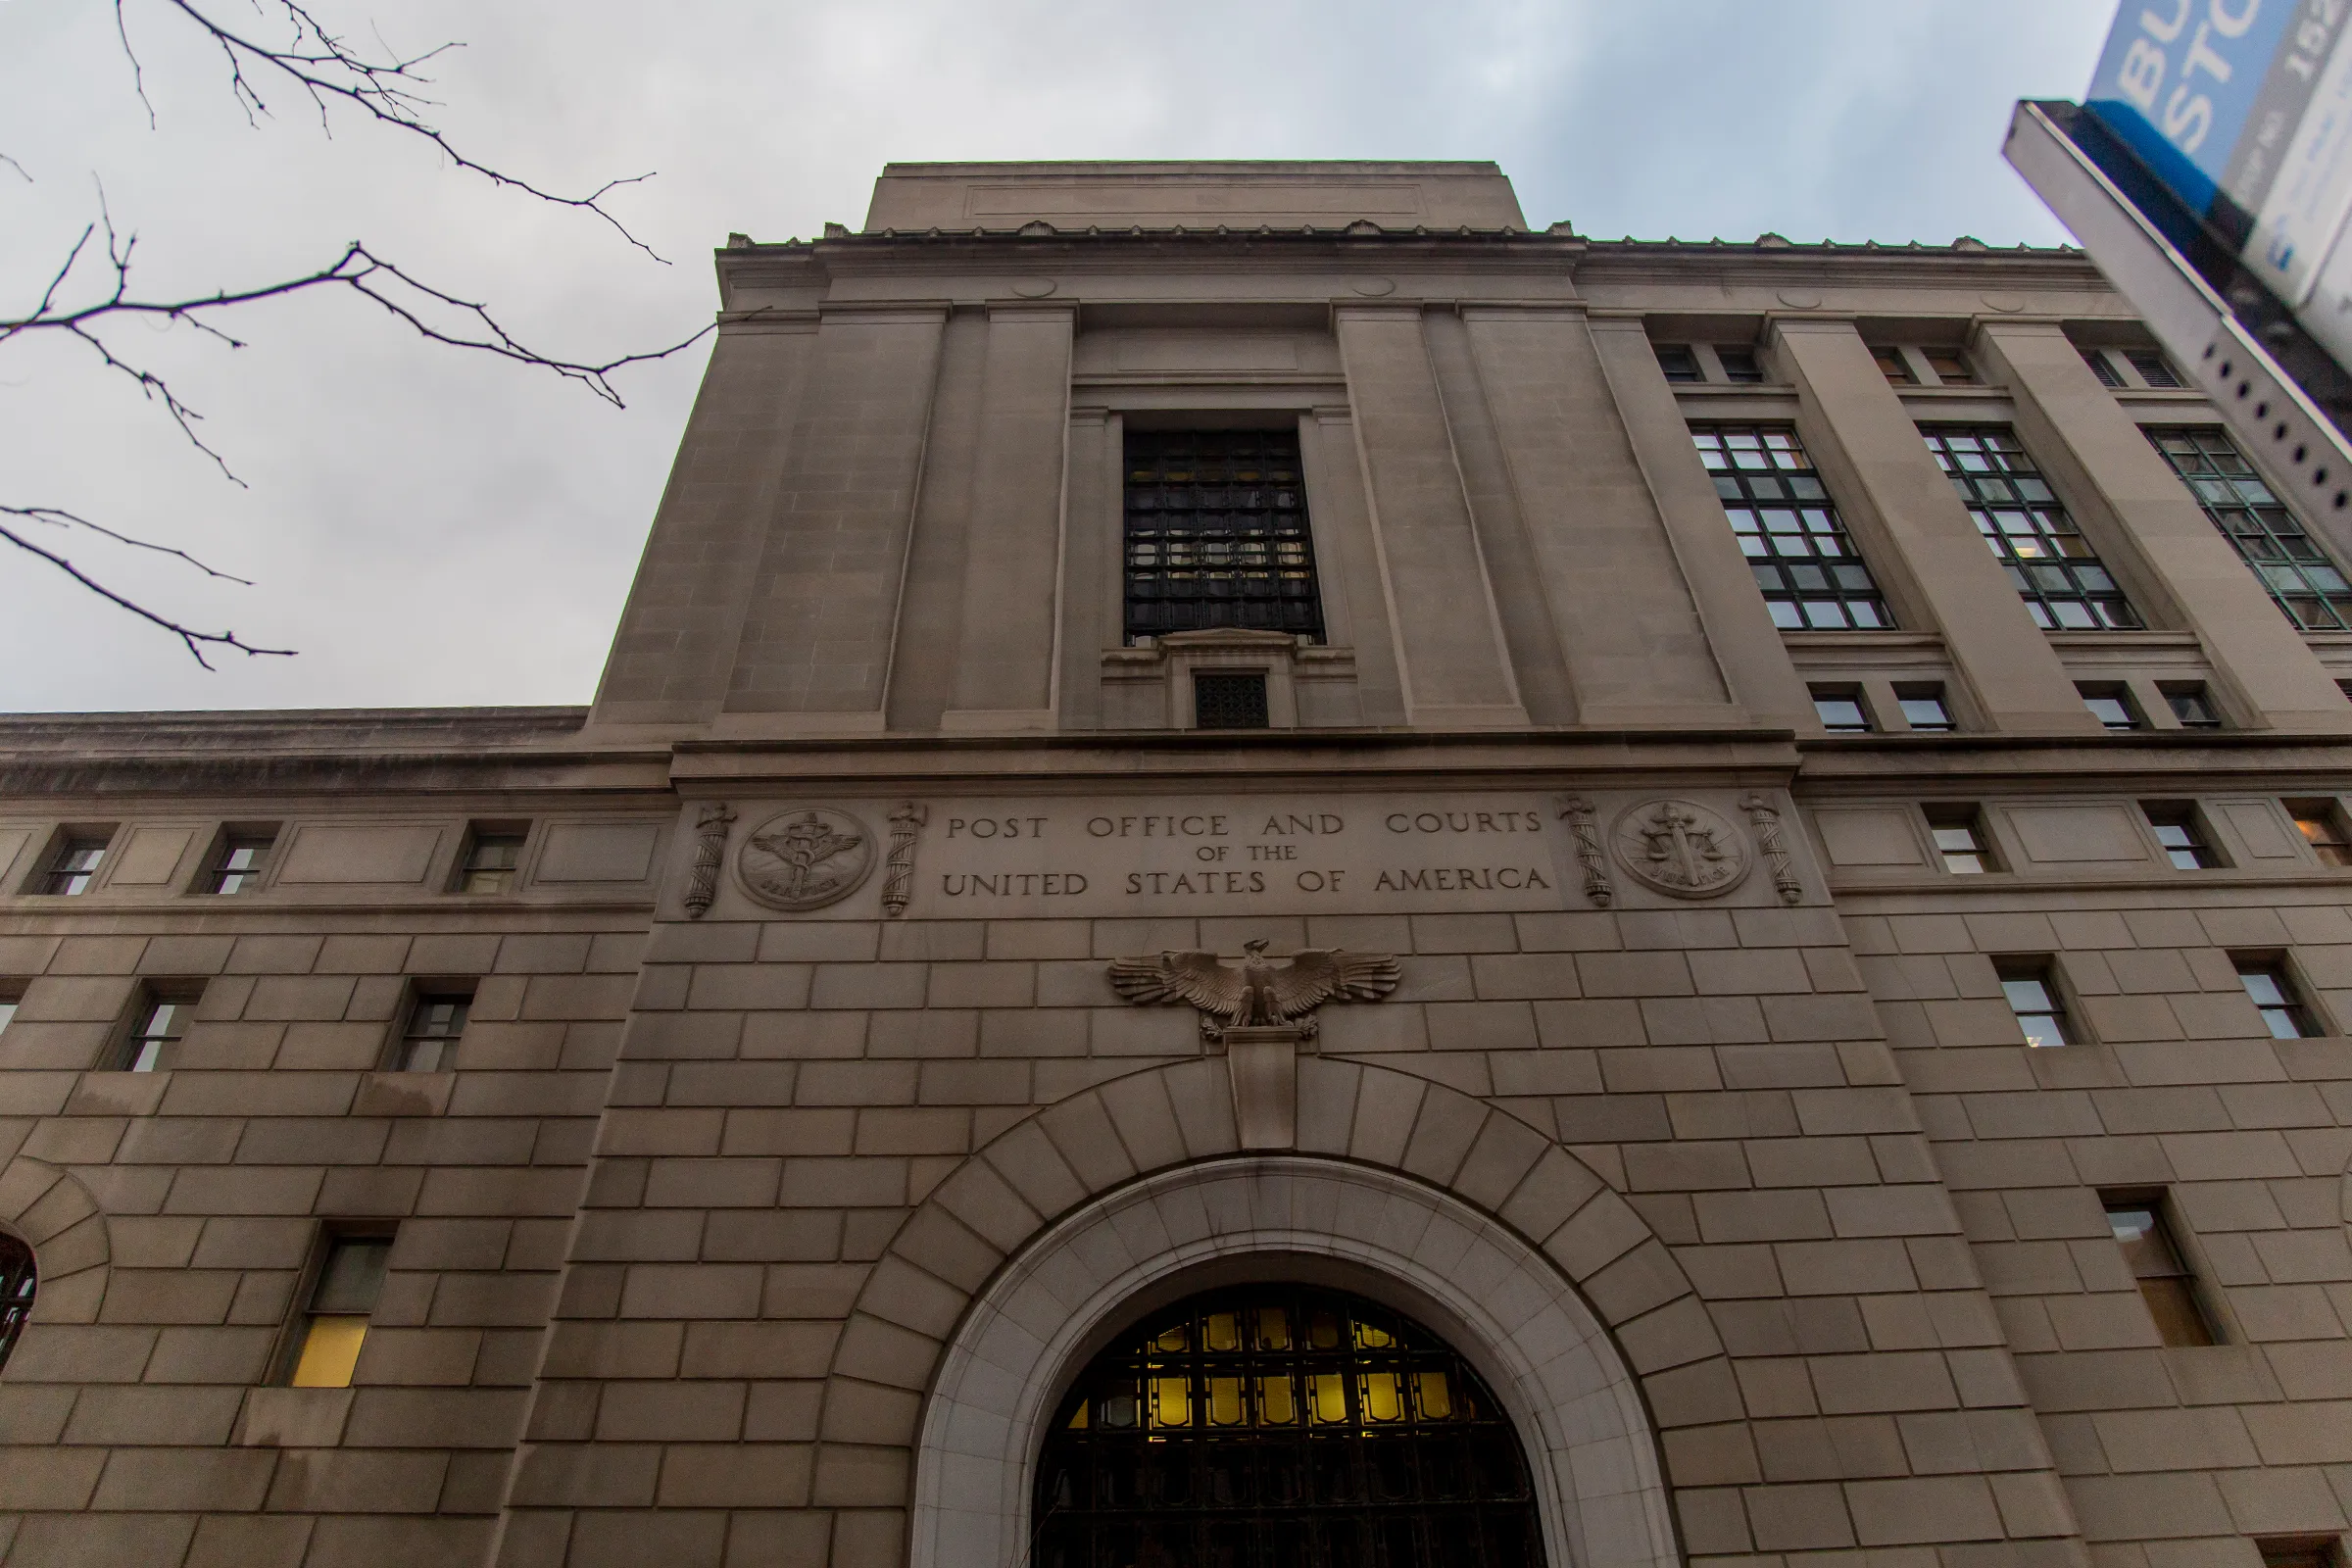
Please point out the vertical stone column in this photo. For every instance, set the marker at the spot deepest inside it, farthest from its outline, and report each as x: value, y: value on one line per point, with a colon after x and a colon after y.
x: 677, y: 641
x: 1013, y: 562
x: 2115, y: 476
x: 1092, y: 561
x: 1918, y: 535
x: 816, y: 642
x: 1456, y: 668
x: 1747, y: 646
x: 1347, y: 567
x: 930, y: 633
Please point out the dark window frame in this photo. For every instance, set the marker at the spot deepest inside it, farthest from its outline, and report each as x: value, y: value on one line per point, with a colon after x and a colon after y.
x: 2290, y: 1003
x: 2332, y: 847
x: 73, y: 861
x: 19, y: 1287
x: 2299, y: 574
x: 2036, y: 991
x: 2065, y: 586
x: 2190, y: 834
x: 141, y: 1039
x: 1828, y: 695
x: 1678, y: 364
x: 1955, y: 818
x: 432, y: 1020
x: 2166, y: 1273
x: 257, y: 842
x: 479, y: 874
x: 1804, y: 560
x: 1217, y: 533
x: 1945, y: 721
x: 294, y: 1339
x: 2121, y: 702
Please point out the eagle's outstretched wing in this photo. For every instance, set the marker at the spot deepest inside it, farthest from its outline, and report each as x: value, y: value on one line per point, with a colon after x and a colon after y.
x: 1318, y: 974
x: 1196, y: 978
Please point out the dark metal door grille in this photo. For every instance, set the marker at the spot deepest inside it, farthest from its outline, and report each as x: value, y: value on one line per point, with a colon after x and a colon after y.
x: 1230, y: 699
x: 19, y: 1280
x: 1282, y: 1427
x: 1217, y: 535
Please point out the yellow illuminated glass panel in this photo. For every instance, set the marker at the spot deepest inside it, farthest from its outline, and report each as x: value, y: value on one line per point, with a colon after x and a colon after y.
x: 1222, y: 1331
x: 1176, y: 1338
x: 330, y: 1348
x: 1433, y: 1396
x: 1277, y: 1403
x: 1327, y: 1398
x: 1369, y: 1336
x: 1171, y: 1403
x: 1323, y: 1331
x: 1383, y: 1395
x: 1078, y: 1419
x: 1224, y: 1402
x: 1273, y: 1328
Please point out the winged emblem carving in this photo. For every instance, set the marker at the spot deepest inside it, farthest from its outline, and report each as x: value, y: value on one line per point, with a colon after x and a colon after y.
x: 1257, y: 992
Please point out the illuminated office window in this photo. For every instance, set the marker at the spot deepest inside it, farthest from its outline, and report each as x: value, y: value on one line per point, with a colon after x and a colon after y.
x: 2057, y: 573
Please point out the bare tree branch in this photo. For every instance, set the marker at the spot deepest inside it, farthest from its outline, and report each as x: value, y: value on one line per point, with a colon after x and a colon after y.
x: 19, y: 167
x: 329, y: 70
x: 195, y: 641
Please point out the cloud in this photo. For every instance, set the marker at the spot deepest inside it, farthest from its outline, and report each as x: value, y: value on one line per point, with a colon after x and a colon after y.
x: 435, y: 528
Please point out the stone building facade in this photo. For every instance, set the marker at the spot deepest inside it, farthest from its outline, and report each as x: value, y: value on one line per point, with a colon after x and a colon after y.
x: 1194, y: 732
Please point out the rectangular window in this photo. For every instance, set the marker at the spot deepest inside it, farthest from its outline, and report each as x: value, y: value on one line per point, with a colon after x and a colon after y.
x: 351, y: 1279
x: 1841, y: 710
x: 1892, y: 365
x: 1739, y: 365
x: 2272, y: 992
x: 2054, y: 569
x: 435, y: 1023
x: 1949, y: 368
x: 1217, y: 535
x: 2096, y: 359
x: 236, y: 865
x: 1959, y: 834
x: 159, y: 1017
x: 2323, y: 828
x: 2031, y: 987
x: 12, y: 995
x: 2181, y: 834
x: 2305, y: 1551
x: 1924, y: 708
x: 1812, y: 577
x: 73, y: 861
x: 493, y: 856
x: 2138, y: 1224
x: 1678, y: 362
x: 2190, y: 706
x: 2152, y: 368
x: 2110, y: 702
x: 2301, y: 578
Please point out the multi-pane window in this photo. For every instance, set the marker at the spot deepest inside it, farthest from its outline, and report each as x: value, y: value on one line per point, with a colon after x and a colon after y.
x: 2152, y: 368
x: 1678, y: 362
x: 2154, y: 1258
x: 1812, y: 577
x: 2272, y: 992
x: 350, y: 1277
x: 237, y: 865
x: 2054, y: 569
x: 2191, y: 706
x: 159, y: 1020
x: 1924, y: 708
x: 1841, y: 710
x: 74, y: 865
x: 2306, y: 584
x: 428, y: 1038
x: 1216, y: 533
x: 492, y: 859
x: 1959, y: 835
x: 1230, y: 699
x: 2032, y: 990
x: 19, y: 1282
x: 2111, y: 706
x: 2181, y: 836
x: 2323, y: 828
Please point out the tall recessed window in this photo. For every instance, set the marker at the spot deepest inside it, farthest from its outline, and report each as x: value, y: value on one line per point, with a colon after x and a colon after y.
x: 2056, y: 572
x: 2030, y: 987
x: 2181, y: 834
x: 2141, y: 1229
x: 1960, y: 841
x: 2323, y: 828
x: 2275, y: 995
x: 2301, y: 578
x: 430, y: 1034
x: 1282, y: 1427
x: 19, y: 1282
x: 159, y: 1020
x: 350, y: 1279
x: 492, y: 861
x: 1812, y: 577
x: 1217, y: 535
x: 74, y: 863
x: 236, y: 864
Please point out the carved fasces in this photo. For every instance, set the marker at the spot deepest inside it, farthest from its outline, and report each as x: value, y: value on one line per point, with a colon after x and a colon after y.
x: 1767, y: 823
x: 1577, y: 813
x: 1256, y: 993
x: 907, y: 825
x: 711, y: 826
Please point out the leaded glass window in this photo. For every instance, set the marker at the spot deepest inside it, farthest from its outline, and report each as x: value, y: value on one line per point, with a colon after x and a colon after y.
x: 2054, y: 567
x: 1216, y: 533
x: 1812, y: 576
x: 1282, y: 1427
x: 2290, y: 563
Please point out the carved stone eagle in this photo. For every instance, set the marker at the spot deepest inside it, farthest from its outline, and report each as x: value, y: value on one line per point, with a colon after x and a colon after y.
x: 1256, y: 993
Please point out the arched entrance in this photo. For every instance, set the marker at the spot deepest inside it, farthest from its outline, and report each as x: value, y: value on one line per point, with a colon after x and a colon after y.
x: 1282, y: 1426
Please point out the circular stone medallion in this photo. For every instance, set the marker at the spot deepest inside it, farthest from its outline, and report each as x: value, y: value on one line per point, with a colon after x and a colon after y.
x: 1034, y: 288
x: 1800, y: 299
x: 1680, y: 848
x: 804, y: 858
x: 1373, y: 286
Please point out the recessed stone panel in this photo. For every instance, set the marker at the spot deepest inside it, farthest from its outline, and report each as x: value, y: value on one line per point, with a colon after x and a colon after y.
x: 344, y: 854
x: 1869, y: 836
x: 598, y: 852
x: 2078, y: 835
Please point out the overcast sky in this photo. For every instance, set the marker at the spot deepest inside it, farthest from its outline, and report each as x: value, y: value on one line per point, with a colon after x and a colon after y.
x: 430, y: 528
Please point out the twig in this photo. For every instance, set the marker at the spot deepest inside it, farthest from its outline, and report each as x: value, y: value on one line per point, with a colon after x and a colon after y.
x: 195, y: 641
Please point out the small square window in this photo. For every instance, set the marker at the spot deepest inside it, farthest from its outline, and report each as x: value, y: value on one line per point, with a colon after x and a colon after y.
x: 74, y: 863
x: 1739, y: 365
x: 2030, y: 986
x: 2096, y: 359
x: 2191, y: 706
x: 435, y: 1024
x: 2323, y: 828
x: 1678, y: 362
x: 2138, y: 1223
x: 1892, y: 365
x: 1229, y: 699
x: 2152, y: 368
x: 236, y: 865
x: 1924, y: 708
x: 159, y: 1020
x: 1841, y: 710
x: 351, y: 1280
x: 1959, y: 834
x: 1949, y: 368
x: 493, y: 856
x: 2179, y: 830
x: 2111, y: 706
x: 2307, y: 1551
x: 2272, y: 992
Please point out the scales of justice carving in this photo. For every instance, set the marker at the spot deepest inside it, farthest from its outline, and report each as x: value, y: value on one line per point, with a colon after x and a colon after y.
x: 805, y: 858
x: 1259, y: 1010
x: 1680, y: 848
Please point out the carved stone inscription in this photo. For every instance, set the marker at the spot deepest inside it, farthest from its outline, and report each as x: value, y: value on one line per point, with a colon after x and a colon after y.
x: 1243, y: 855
